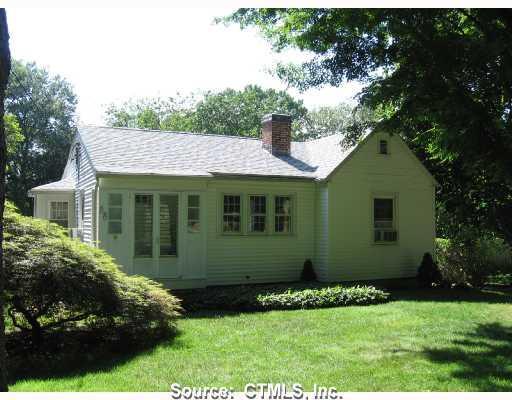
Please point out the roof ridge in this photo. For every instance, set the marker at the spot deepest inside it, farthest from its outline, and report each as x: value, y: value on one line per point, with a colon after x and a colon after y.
x: 165, y: 131
x: 198, y: 133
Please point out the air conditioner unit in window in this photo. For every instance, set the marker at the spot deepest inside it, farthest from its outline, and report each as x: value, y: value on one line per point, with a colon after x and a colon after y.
x: 385, y: 235
x: 76, y: 233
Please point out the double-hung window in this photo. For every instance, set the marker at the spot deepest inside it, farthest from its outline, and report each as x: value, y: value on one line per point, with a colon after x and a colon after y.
x: 283, y: 214
x: 258, y: 216
x: 384, y: 220
x: 59, y: 213
x: 231, y: 214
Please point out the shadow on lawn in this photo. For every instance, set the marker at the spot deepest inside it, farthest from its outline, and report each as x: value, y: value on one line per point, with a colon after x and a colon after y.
x: 483, y: 357
x: 77, y: 352
x: 499, y: 296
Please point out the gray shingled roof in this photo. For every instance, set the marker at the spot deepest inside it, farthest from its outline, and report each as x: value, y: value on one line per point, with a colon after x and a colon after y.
x: 145, y: 152
x: 64, y: 185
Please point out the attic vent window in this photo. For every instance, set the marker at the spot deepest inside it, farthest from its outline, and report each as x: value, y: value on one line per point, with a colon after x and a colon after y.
x: 383, y: 147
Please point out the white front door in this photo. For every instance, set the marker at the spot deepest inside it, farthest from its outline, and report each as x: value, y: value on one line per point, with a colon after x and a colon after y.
x: 194, y: 241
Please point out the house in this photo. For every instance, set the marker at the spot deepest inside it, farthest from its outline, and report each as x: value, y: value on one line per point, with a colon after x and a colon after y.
x: 194, y: 210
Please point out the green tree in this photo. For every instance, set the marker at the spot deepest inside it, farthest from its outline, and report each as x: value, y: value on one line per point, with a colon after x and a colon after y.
x: 44, y: 107
x: 341, y: 119
x: 228, y: 112
x: 173, y: 113
x: 443, y: 75
x: 5, y: 67
x: 239, y: 112
x: 14, y: 137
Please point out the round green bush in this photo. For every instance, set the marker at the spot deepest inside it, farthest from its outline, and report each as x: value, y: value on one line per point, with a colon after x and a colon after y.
x: 53, y: 281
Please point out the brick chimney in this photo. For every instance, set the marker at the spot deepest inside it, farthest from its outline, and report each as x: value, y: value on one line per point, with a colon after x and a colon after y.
x: 276, y: 133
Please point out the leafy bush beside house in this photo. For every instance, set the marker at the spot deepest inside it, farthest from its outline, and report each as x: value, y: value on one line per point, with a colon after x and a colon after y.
x: 472, y: 258
x: 53, y: 281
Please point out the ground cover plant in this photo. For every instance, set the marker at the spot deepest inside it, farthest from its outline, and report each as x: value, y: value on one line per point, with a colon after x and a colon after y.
x: 265, y: 297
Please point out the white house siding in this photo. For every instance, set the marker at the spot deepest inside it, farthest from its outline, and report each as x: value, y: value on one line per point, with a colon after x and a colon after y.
x: 42, y: 205
x: 352, y: 252
x: 322, y: 233
x: 230, y: 259
x: 86, y: 182
x: 252, y: 258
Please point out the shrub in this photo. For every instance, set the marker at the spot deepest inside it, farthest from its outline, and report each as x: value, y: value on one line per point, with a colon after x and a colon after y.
x: 308, y: 272
x: 53, y: 281
x: 428, y: 272
x: 472, y: 257
x: 279, y: 297
x: 323, y: 297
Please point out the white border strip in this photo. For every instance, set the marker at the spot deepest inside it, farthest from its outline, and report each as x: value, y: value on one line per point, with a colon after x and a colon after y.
x: 242, y: 396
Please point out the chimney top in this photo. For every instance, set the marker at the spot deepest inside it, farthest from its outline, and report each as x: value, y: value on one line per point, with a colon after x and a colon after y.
x: 276, y: 133
x: 276, y: 118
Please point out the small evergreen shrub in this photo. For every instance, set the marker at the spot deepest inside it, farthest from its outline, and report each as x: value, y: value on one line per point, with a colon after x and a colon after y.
x: 335, y: 296
x: 308, y: 272
x: 53, y: 282
x: 428, y: 272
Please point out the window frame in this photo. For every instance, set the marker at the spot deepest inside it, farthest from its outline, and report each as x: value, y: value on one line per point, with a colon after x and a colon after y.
x: 241, y: 214
x: 275, y: 214
x: 52, y: 220
x: 379, y: 148
x: 394, y: 223
x: 250, y: 214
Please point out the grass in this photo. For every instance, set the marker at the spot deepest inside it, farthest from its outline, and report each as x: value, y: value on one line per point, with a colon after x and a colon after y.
x: 421, y: 341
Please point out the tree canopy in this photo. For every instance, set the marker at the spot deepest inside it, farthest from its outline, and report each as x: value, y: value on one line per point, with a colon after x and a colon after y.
x: 228, y: 112
x: 442, y: 75
x: 42, y: 106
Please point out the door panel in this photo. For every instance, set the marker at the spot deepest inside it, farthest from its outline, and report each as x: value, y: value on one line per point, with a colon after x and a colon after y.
x: 194, y: 236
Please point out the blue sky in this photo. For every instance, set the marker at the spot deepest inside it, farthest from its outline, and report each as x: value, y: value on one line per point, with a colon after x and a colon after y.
x: 111, y: 54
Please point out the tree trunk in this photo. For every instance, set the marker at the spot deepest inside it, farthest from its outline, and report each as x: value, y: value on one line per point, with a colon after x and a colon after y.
x: 5, y: 67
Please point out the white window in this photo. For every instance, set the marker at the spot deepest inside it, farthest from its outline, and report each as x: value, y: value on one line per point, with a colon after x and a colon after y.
x: 258, y: 213
x: 231, y: 214
x: 193, y: 213
x: 115, y: 213
x: 143, y: 225
x: 59, y: 213
x: 383, y: 147
x: 384, y: 220
x: 283, y: 214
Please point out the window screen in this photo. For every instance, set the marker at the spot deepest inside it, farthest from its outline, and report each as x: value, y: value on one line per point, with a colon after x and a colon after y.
x: 258, y: 217
x: 59, y: 213
x: 231, y: 216
x: 283, y: 214
x: 143, y: 225
x: 383, y: 213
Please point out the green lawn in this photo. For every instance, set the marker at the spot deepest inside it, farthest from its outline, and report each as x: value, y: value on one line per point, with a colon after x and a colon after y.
x: 422, y: 341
